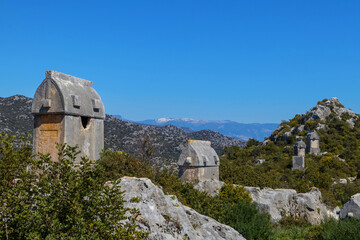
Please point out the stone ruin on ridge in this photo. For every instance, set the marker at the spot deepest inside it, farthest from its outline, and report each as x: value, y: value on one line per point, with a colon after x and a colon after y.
x: 68, y: 110
x: 198, y: 162
x: 312, y: 147
x: 313, y: 143
x: 299, y: 158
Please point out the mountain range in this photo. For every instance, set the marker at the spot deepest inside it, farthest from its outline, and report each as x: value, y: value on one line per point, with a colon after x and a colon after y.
x: 242, y: 131
x: 166, y: 141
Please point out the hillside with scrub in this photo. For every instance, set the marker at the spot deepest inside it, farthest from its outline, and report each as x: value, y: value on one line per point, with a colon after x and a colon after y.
x: 59, y: 200
x: 339, y: 161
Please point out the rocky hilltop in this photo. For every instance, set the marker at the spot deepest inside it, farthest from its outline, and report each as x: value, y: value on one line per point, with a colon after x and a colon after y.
x: 165, y: 141
x: 317, y: 118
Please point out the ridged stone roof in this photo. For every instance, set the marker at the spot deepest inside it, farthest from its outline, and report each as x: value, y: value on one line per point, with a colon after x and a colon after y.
x: 198, y: 153
x: 65, y: 94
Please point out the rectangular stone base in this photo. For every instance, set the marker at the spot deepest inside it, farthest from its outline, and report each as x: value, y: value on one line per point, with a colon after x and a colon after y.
x: 298, y: 163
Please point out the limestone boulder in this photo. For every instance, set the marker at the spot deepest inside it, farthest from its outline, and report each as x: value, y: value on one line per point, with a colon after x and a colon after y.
x: 276, y: 202
x: 308, y: 206
x: 351, y: 208
x: 166, y: 218
x: 279, y: 203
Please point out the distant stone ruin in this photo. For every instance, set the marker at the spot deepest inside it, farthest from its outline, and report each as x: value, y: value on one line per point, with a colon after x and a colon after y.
x: 313, y: 143
x: 299, y: 148
x: 198, y: 162
x: 299, y: 158
x: 68, y: 110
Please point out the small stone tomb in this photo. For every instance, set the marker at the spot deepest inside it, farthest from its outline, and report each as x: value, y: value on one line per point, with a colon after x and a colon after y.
x: 299, y: 158
x: 313, y: 143
x: 198, y: 162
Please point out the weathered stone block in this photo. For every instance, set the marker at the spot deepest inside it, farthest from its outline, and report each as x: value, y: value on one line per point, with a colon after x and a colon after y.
x: 298, y: 163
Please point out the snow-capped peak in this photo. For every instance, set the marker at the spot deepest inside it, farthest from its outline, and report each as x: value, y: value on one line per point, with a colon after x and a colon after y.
x: 163, y: 120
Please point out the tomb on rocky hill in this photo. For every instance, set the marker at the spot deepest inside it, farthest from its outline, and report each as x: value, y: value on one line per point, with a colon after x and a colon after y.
x: 68, y: 110
x: 299, y: 158
x: 198, y: 162
x: 313, y: 143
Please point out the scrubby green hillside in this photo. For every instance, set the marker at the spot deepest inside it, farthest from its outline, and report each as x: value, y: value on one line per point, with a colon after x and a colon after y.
x: 339, y: 131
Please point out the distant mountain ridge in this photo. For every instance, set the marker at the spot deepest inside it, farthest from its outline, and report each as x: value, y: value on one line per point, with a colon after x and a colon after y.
x: 166, y: 141
x: 242, y: 131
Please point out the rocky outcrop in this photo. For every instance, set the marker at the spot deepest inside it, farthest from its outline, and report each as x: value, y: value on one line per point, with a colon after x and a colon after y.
x: 318, y: 115
x: 351, y: 208
x: 279, y: 203
x: 166, y: 218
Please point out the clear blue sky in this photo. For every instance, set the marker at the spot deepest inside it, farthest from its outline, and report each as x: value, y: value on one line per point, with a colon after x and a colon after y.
x: 247, y: 61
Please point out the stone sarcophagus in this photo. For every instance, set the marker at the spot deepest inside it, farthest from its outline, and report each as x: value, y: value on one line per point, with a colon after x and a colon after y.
x: 68, y: 110
x: 198, y: 162
x: 298, y: 161
x: 313, y: 143
x: 299, y: 148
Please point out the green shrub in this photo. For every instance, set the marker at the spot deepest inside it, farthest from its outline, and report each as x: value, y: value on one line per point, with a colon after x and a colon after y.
x: 247, y: 220
x: 347, y: 229
x: 42, y: 199
x: 119, y: 164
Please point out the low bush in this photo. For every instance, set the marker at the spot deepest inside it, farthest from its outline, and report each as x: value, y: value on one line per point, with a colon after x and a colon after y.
x: 246, y: 219
x: 43, y: 199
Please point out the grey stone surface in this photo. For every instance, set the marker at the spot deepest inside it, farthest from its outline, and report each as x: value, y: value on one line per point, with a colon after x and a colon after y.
x: 340, y: 181
x: 198, y: 161
x: 166, y: 218
x: 259, y: 161
x: 287, y: 202
x: 276, y: 202
x: 322, y: 111
x: 298, y: 162
x: 351, y: 208
x: 68, y: 110
x: 282, y: 202
x: 300, y: 128
x: 308, y: 206
x: 68, y: 95
x: 286, y: 136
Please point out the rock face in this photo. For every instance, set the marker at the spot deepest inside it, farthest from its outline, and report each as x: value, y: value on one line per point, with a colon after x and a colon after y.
x: 351, y: 208
x: 281, y: 202
x: 166, y: 218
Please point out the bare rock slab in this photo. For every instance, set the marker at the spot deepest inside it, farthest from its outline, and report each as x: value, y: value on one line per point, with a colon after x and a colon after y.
x: 166, y: 218
x: 351, y: 208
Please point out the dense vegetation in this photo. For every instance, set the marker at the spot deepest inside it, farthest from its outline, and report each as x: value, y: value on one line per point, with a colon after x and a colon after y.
x: 42, y: 199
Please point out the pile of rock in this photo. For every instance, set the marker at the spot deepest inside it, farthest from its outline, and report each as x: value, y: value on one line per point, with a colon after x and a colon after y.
x: 166, y: 218
x: 351, y: 208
